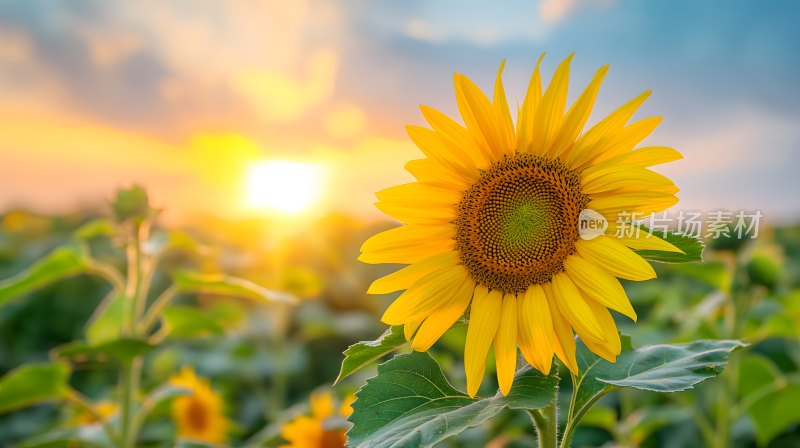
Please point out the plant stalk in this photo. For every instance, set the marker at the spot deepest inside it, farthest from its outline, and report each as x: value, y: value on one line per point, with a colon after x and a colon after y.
x: 545, y: 421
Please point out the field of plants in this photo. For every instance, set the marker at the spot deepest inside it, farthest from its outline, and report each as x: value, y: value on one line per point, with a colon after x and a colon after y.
x: 254, y: 333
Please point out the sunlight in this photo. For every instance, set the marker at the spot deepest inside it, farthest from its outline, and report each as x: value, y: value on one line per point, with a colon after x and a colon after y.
x: 284, y: 186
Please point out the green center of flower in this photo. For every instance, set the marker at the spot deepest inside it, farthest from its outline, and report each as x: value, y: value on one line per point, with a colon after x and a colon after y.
x: 519, y: 221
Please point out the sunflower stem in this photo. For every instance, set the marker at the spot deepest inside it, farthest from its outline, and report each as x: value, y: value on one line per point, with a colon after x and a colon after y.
x: 136, y: 291
x: 545, y: 421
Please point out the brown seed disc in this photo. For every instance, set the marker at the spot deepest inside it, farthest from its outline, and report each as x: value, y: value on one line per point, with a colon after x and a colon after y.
x: 519, y: 222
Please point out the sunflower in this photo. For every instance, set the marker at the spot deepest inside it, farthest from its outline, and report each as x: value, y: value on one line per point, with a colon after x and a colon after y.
x: 199, y: 415
x: 324, y: 428
x: 491, y: 227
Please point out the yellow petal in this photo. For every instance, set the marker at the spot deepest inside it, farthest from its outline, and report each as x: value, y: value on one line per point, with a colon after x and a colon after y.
x: 527, y: 112
x: 577, y: 115
x: 434, y: 173
x: 644, y: 157
x: 643, y: 240
x: 625, y: 140
x: 550, y: 113
x: 589, y: 145
x: 410, y: 328
x: 409, y: 275
x: 483, y: 118
x: 443, y: 317
x: 505, y: 127
x: 642, y: 202
x: 615, y: 258
x: 564, y: 343
x: 505, y: 344
x: 442, y: 151
x: 321, y: 405
x: 408, y: 244
x: 573, y: 307
x: 621, y: 176
x: 484, y: 317
x: 535, y: 329
x: 458, y: 136
x: 425, y: 296
x: 610, y: 347
x: 599, y: 285
x: 419, y: 203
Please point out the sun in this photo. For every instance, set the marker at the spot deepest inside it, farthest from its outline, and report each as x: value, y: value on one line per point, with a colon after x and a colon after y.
x: 283, y: 186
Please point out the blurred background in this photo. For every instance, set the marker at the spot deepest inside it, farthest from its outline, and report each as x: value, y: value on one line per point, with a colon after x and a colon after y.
x: 263, y: 128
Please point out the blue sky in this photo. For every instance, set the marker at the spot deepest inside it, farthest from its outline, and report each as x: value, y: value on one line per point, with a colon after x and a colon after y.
x: 724, y: 76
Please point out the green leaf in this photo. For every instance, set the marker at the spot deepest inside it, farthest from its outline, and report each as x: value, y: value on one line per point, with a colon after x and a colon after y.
x: 714, y: 274
x: 122, y: 350
x: 62, y: 263
x: 96, y: 228
x: 106, y: 323
x: 411, y: 404
x: 85, y: 436
x: 776, y: 412
x: 658, y: 368
x: 32, y: 384
x: 690, y: 245
x: 188, y: 322
x: 363, y: 353
x: 223, y: 285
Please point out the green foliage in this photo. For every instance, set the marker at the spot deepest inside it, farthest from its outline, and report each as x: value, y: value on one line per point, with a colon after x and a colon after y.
x: 122, y: 350
x: 223, y: 285
x: 691, y: 246
x: 657, y: 368
x: 62, y: 263
x: 32, y: 384
x: 96, y: 228
x: 411, y: 404
x: 188, y: 322
x: 106, y: 323
x: 363, y: 353
x: 131, y: 204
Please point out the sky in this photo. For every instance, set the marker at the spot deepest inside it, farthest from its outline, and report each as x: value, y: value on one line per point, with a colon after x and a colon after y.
x: 185, y: 97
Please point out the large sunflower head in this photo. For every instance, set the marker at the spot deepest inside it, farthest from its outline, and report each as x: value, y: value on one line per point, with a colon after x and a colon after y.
x: 492, y: 225
x: 199, y: 415
x: 324, y: 428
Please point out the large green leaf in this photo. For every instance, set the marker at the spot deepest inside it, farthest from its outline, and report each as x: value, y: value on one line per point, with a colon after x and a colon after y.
x: 364, y: 353
x: 411, y: 404
x: 123, y: 350
x: 33, y: 383
x: 96, y: 228
x: 690, y: 245
x: 658, y: 368
x: 63, y: 262
x: 188, y: 322
x: 776, y: 412
x: 192, y: 282
x: 106, y: 323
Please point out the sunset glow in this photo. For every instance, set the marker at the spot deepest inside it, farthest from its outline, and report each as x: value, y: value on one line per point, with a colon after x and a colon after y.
x: 283, y: 186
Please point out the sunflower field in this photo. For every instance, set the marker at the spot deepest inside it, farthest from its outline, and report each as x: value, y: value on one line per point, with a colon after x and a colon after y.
x: 215, y: 233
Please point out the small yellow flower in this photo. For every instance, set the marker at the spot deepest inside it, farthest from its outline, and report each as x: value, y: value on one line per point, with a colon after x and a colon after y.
x: 199, y: 416
x: 492, y: 225
x: 321, y: 429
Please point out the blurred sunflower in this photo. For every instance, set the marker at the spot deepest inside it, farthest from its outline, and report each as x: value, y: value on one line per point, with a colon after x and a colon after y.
x: 324, y: 428
x: 492, y: 225
x: 199, y: 415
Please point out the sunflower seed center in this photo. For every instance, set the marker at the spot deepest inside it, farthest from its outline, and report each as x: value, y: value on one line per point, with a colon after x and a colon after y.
x: 519, y: 222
